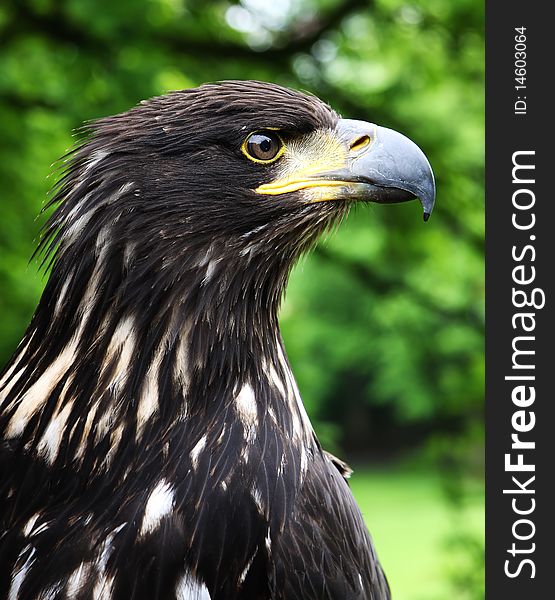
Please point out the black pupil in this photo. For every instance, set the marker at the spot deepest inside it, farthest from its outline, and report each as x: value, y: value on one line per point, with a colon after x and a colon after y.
x: 263, y: 146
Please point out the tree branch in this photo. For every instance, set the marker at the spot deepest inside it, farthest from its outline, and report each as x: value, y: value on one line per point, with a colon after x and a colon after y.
x: 58, y: 27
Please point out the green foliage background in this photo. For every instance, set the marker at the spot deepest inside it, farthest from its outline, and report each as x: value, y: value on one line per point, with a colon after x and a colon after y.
x: 384, y: 322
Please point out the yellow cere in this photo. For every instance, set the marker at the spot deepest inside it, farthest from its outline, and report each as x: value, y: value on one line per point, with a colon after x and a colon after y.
x: 306, y: 157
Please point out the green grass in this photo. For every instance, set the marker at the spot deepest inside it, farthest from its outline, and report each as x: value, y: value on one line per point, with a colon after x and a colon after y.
x: 411, y: 524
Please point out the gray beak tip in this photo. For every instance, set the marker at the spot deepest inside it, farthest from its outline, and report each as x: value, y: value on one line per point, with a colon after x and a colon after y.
x: 428, y: 197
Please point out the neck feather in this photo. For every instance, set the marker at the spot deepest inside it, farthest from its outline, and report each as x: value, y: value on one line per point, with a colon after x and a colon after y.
x: 125, y: 343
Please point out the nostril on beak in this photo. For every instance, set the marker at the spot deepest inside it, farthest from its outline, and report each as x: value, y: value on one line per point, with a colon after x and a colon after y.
x: 360, y: 143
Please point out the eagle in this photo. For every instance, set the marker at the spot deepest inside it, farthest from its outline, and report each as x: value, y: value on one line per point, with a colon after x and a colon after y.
x: 153, y: 442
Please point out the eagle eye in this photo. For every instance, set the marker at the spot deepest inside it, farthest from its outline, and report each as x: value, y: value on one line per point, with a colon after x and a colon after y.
x: 263, y: 146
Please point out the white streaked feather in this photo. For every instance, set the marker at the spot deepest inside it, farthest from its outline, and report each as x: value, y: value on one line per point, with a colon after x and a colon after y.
x: 28, y: 528
x: 148, y: 401
x: 49, y: 444
x: 19, y: 574
x: 10, y: 377
x: 245, y: 571
x: 247, y: 408
x: 189, y: 588
x: 38, y: 393
x: 197, y: 449
x: 122, y: 344
x: 103, y: 587
x: 159, y: 504
x: 77, y: 579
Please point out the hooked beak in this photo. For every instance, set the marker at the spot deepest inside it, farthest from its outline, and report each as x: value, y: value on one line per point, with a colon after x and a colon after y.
x: 379, y: 165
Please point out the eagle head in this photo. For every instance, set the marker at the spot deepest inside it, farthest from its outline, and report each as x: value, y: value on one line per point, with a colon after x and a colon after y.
x: 227, y: 175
